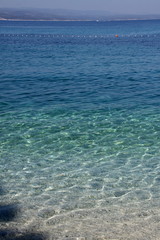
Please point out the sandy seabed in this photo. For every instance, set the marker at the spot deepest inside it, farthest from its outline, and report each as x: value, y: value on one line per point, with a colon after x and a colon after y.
x: 138, y: 222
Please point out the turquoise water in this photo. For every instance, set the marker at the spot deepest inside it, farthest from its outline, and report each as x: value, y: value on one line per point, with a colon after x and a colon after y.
x: 80, y: 133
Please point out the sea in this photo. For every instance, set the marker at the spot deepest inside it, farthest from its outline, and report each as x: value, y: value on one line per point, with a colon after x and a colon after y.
x: 80, y: 130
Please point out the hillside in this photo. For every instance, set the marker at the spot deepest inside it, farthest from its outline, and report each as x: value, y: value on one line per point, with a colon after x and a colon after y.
x: 64, y: 15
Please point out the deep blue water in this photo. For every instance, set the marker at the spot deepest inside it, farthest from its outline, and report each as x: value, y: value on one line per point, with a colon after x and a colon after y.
x: 79, y: 114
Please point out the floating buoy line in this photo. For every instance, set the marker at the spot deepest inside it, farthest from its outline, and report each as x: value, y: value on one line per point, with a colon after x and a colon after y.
x: 76, y: 36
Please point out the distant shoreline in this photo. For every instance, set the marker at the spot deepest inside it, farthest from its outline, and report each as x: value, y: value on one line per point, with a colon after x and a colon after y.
x: 78, y: 20
x: 43, y: 20
x: 64, y: 15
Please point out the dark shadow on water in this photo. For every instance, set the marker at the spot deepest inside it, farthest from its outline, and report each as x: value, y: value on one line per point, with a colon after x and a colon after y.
x: 13, y: 235
x: 2, y: 191
x: 8, y: 213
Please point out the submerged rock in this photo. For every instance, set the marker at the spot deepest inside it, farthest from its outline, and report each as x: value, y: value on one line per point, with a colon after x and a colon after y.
x: 8, y: 212
x: 13, y: 235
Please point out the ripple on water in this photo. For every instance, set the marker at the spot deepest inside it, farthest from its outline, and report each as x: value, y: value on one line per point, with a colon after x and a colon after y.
x: 80, y: 140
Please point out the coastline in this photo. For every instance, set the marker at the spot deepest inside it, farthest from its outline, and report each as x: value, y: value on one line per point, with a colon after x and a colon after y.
x: 43, y: 20
x: 79, y: 20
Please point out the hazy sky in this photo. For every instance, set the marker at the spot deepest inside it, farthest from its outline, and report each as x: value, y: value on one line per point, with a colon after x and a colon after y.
x: 115, y: 6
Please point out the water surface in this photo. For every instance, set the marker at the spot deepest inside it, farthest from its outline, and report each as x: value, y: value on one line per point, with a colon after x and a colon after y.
x: 80, y: 135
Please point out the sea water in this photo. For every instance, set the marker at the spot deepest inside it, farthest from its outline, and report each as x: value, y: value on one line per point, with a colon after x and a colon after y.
x: 80, y: 128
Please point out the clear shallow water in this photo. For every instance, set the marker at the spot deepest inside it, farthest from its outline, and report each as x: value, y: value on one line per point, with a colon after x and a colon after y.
x: 80, y: 135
